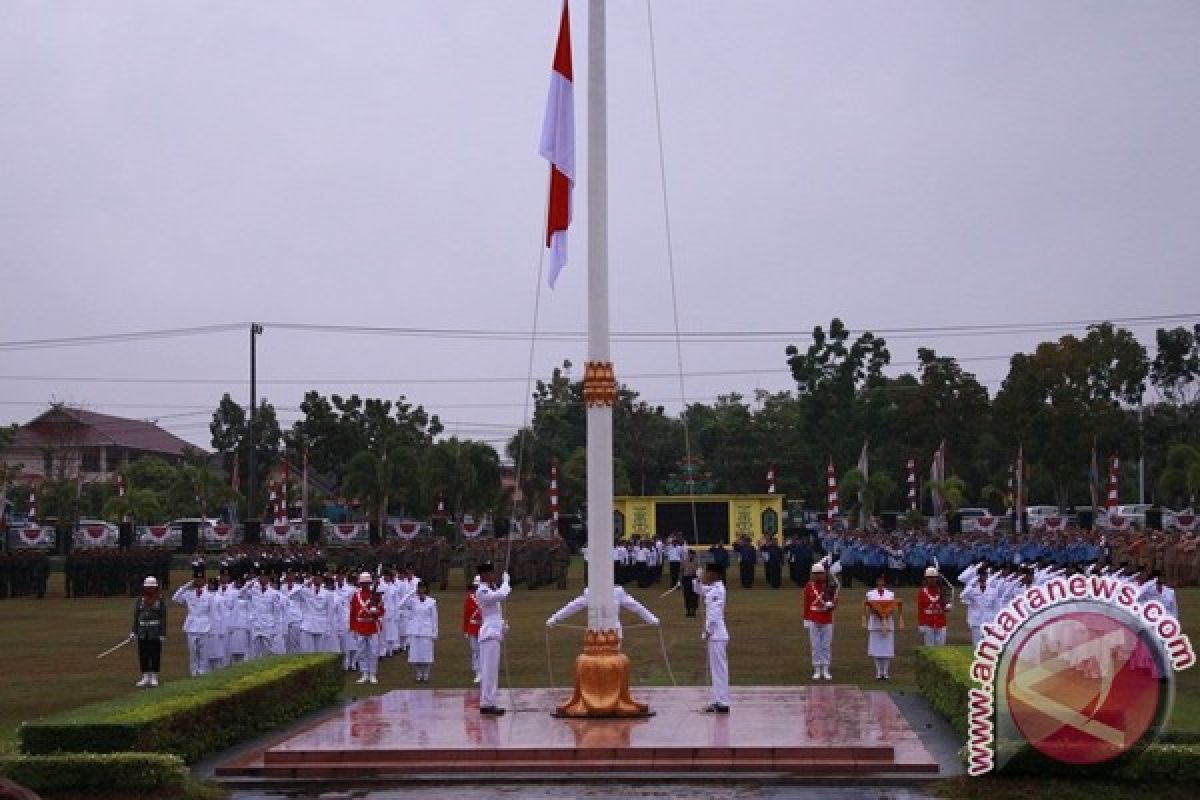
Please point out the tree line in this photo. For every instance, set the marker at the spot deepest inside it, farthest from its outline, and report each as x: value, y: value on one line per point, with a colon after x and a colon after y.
x: 1099, y: 391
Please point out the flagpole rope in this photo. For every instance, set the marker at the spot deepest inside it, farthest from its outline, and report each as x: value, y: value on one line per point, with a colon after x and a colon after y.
x: 662, y: 174
x: 525, y: 417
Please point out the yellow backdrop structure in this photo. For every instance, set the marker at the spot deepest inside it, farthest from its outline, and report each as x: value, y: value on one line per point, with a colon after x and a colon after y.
x: 753, y: 515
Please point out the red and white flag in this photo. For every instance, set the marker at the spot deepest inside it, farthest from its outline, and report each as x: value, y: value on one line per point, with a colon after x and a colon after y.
x: 833, y: 507
x: 32, y: 507
x: 771, y: 479
x: 558, y: 147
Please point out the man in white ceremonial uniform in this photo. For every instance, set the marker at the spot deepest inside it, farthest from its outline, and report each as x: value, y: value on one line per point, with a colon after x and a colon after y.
x: 880, y: 618
x: 217, y: 647
x: 406, y: 587
x: 623, y: 600
x: 237, y: 641
x: 674, y: 554
x: 711, y: 587
x: 422, y: 631
x: 293, y: 613
x: 347, y: 641
x: 981, y: 600
x: 198, y: 623
x: 490, y: 597
x: 267, y: 617
x: 317, y: 617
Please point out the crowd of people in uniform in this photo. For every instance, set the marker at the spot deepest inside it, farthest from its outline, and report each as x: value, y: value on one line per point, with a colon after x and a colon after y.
x: 268, y: 601
x: 23, y: 573
x: 103, y: 572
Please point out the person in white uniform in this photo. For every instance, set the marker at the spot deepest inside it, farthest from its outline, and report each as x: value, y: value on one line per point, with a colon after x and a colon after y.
x: 623, y: 600
x: 490, y: 597
x: 317, y: 619
x: 880, y: 619
x: 711, y: 587
x: 980, y: 598
x: 267, y: 617
x: 198, y: 601
x: 422, y: 631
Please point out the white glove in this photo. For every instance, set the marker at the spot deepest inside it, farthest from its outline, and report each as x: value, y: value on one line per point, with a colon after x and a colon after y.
x: 654, y: 621
x: 828, y: 606
x: 704, y: 636
x: 550, y: 623
x: 504, y: 577
x: 132, y: 635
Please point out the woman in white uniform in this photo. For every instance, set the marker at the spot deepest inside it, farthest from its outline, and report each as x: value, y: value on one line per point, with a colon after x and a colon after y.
x: 422, y: 630
x: 880, y: 617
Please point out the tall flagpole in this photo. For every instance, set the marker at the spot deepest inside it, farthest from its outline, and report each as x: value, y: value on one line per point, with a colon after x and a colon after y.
x: 602, y: 670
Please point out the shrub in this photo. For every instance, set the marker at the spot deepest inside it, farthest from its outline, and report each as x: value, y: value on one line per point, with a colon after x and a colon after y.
x: 196, y: 717
x: 943, y: 677
x: 129, y: 772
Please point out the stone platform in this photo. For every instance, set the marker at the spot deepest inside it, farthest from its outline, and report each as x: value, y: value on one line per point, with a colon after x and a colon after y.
x: 804, y: 731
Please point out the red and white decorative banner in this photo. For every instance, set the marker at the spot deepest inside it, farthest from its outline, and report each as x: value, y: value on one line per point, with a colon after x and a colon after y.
x: 349, y: 531
x: 1184, y: 521
x: 1054, y: 524
x: 33, y: 535
x: 408, y: 529
x: 833, y: 508
x: 771, y: 479
x: 1112, y: 521
x: 554, y: 491
x: 158, y: 536
x: 980, y: 524
x: 1114, y: 472
x: 471, y: 529
x: 278, y: 533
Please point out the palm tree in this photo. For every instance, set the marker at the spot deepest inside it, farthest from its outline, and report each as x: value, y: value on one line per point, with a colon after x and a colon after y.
x: 374, y: 479
x: 1181, y: 477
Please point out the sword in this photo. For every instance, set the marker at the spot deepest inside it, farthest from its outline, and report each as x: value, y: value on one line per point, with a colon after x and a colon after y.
x: 668, y: 591
x: 116, y: 647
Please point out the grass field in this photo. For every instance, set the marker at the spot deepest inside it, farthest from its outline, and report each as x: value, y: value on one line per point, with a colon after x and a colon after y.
x: 48, y: 647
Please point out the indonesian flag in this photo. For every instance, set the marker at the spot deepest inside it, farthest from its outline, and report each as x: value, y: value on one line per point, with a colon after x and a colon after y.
x: 832, y: 505
x: 558, y: 147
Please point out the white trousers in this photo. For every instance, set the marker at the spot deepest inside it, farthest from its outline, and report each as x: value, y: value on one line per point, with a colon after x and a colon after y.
x: 197, y: 655
x: 294, y: 641
x: 368, y: 653
x: 934, y: 637
x: 265, y: 644
x: 473, y: 643
x: 718, y: 666
x: 821, y: 639
x: 489, y: 668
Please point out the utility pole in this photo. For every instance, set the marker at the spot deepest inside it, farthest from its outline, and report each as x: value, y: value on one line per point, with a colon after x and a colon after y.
x: 255, y: 331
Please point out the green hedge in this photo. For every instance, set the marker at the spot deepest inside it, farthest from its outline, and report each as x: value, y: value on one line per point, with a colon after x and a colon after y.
x: 943, y: 677
x: 128, y: 772
x: 193, y: 718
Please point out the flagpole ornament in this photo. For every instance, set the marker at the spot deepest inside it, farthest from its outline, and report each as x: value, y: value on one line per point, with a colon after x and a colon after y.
x: 599, y: 384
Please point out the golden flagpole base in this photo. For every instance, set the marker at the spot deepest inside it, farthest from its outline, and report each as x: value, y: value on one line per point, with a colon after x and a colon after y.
x: 602, y: 681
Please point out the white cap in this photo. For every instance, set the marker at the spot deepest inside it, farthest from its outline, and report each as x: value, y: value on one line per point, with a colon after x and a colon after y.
x: 151, y: 582
x: 931, y: 572
x: 365, y: 577
x: 818, y: 568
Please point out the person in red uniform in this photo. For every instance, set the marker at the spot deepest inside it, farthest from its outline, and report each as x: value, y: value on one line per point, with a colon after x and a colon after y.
x: 818, y: 618
x: 931, y: 610
x: 366, y: 613
x: 470, y: 626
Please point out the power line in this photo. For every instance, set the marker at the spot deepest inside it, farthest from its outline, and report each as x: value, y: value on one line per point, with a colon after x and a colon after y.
x: 706, y: 336
x: 435, y: 381
x: 120, y: 338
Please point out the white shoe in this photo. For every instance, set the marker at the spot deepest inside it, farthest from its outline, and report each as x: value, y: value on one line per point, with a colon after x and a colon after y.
x: 477, y: 678
x: 372, y: 679
x: 828, y: 677
x: 144, y: 682
x: 363, y: 678
x: 153, y: 680
x: 816, y: 675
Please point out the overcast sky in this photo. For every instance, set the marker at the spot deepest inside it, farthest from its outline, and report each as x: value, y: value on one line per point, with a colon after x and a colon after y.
x: 167, y: 164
